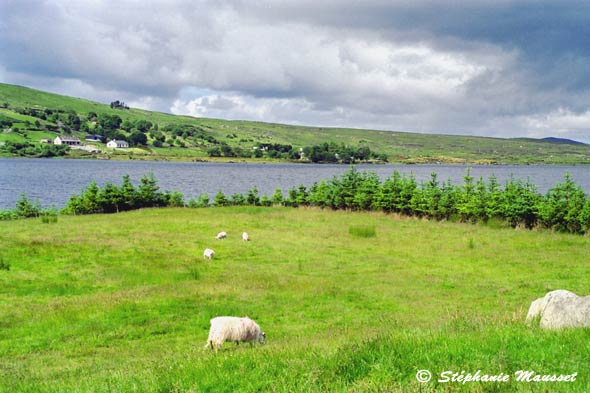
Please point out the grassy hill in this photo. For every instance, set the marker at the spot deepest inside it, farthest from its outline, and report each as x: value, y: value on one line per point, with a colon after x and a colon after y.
x: 187, y: 138
x: 122, y: 302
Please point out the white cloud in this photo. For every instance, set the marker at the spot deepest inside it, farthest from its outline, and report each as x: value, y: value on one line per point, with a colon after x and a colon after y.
x: 234, y: 106
x: 560, y: 122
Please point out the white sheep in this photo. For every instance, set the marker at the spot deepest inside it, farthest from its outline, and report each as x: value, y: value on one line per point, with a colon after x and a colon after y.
x: 245, y: 236
x: 221, y: 235
x: 208, y: 253
x: 234, y: 329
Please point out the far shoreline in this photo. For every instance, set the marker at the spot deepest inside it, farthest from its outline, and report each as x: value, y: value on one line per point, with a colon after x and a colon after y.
x: 232, y: 160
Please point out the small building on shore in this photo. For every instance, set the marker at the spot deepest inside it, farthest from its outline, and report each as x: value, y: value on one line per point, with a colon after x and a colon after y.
x: 67, y: 140
x: 118, y: 144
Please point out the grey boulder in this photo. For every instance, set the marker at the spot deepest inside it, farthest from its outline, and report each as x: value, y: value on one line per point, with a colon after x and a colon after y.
x: 560, y: 309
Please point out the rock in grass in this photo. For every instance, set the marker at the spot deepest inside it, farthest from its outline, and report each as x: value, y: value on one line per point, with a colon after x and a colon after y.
x: 538, y: 306
x: 561, y: 309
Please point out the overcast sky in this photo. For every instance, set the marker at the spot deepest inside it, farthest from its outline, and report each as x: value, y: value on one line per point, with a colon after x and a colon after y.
x: 496, y: 68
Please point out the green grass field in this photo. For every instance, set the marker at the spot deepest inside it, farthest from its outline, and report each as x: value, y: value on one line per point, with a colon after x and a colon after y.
x: 400, y: 147
x: 349, y: 302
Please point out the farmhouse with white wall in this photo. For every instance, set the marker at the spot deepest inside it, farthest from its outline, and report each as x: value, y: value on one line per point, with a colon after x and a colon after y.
x: 117, y: 144
x: 66, y: 140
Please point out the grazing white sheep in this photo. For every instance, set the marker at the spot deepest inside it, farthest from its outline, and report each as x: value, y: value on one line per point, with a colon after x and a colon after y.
x: 221, y: 235
x: 234, y: 329
x: 245, y: 236
x: 208, y: 253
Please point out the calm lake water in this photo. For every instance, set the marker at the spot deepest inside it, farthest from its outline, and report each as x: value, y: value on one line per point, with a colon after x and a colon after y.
x: 52, y: 181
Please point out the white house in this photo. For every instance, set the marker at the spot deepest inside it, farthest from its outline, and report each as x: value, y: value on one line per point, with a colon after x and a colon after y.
x: 66, y: 140
x: 117, y: 144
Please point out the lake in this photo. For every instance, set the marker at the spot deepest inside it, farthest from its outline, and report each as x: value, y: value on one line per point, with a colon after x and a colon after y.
x: 52, y: 181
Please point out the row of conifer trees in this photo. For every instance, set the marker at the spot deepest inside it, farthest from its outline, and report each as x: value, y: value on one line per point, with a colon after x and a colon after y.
x: 565, y: 207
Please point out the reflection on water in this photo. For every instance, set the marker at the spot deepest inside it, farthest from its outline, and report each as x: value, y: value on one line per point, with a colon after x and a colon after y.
x: 52, y: 181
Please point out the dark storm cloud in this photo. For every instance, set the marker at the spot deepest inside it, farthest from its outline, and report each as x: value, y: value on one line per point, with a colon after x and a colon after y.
x: 548, y: 35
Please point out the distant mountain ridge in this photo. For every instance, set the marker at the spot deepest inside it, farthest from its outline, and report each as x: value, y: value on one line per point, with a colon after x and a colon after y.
x: 552, y: 140
x: 566, y: 141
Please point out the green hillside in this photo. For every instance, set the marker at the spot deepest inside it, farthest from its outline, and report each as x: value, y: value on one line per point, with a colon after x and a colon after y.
x: 27, y: 116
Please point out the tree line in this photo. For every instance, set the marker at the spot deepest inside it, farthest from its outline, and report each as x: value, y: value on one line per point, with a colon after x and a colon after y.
x: 564, y: 208
x: 326, y: 152
x: 28, y: 149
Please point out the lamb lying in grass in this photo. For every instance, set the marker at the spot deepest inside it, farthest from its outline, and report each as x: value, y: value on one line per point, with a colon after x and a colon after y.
x: 234, y: 329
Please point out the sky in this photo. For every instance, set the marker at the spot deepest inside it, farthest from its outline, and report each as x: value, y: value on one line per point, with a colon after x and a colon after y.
x: 498, y: 68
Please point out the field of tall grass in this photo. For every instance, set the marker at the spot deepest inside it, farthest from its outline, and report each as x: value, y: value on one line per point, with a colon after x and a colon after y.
x: 349, y: 302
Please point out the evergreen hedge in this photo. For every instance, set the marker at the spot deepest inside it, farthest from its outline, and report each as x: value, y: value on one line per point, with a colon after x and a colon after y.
x: 564, y: 208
